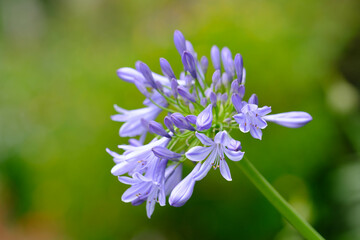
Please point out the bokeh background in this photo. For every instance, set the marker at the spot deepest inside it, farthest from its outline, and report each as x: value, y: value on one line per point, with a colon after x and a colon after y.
x: 58, y: 84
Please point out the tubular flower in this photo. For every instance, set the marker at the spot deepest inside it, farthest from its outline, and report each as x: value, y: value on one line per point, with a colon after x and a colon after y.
x: 200, y: 114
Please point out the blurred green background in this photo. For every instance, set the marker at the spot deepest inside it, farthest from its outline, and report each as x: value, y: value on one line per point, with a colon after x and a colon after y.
x: 58, y: 84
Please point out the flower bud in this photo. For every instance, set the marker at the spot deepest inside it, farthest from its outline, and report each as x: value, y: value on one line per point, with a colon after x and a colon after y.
x: 239, y: 66
x: 183, y: 92
x: 169, y: 124
x: 179, y: 41
x: 166, y: 68
x: 204, y: 63
x: 204, y: 119
x: 174, y: 84
x: 146, y: 72
x: 157, y: 128
x: 215, y: 57
x: 290, y: 119
x: 189, y: 63
x: 162, y: 152
x: 180, y: 121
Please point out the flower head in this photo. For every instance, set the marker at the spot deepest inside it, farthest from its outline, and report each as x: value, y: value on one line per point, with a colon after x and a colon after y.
x: 200, y: 114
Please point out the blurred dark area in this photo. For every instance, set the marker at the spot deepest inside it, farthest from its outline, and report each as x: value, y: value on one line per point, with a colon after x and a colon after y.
x: 58, y: 85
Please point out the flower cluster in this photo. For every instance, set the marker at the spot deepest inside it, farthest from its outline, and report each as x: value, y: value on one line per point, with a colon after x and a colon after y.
x: 200, y: 114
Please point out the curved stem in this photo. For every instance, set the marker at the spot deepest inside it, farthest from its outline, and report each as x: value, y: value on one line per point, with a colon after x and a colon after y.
x: 304, y: 228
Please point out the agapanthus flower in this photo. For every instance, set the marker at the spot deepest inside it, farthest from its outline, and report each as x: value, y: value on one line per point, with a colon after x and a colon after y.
x: 200, y: 114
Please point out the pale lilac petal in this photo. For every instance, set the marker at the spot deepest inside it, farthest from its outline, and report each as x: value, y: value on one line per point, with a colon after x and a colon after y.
x: 259, y: 122
x: 204, y: 139
x: 206, y: 166
x: 255, y: 132
x: 224, y: 170
x: 121, y: 168
x: 234, y: 155
x: 150, y: 202
x: 222, y: 138
x: 198, y: 153
x: 264, y: 110
x: 290, y: 119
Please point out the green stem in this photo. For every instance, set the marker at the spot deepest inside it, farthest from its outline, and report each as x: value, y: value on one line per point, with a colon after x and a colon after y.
x: 306, y: 230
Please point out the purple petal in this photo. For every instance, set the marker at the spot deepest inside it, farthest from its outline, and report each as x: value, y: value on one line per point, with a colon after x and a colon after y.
x: 224, y: 170
x: 236, y: 100
x: 255, y: 132
x: 191, y: 119
x: 241, y: 120
x: 150, y: 202
x: 290, y: 119
x: 264, y: 110
x: 198, y: 153
x: 204, y: 139
x: 234, y: 145
x: 204, y: 119
x: 254, y: 99
x: 206, y: 166
x: 222, y: 138
x: 234, y: 155
x: 121, y: 168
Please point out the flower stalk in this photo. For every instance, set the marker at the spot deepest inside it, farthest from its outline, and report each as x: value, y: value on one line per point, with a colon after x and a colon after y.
x: 286, y: 210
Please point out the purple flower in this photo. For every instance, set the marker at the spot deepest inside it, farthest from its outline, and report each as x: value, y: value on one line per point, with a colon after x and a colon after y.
x: 132, y: 118
x: 183, y: 191
x: 204, y: 119
x: 251, y: 118
x: 214, y: 154
x: 149, y: 188
x: 137, y: 158
x: 289, y: 119
x: 174, y: 85
x: 130, y: 74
